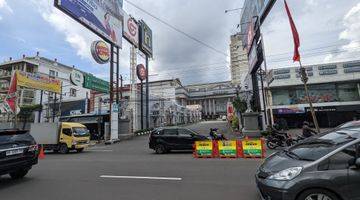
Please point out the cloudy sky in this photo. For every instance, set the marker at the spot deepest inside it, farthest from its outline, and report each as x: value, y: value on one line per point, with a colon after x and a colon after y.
x: 329, y: 30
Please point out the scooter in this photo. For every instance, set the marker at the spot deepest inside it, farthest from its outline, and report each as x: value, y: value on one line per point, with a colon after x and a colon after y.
x: 279, y: 140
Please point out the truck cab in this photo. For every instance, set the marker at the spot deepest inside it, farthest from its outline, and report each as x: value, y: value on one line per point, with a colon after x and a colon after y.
x: 73, y: 136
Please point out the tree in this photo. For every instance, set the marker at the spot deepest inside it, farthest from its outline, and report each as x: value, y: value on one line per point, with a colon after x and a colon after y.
x: 26, y: 113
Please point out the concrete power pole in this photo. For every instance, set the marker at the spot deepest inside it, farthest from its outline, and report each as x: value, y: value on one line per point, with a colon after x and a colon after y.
x: 133, y: 89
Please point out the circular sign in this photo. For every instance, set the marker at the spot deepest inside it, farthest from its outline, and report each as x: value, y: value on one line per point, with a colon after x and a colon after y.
x: 132, y: 27
x: 76, y: 78
x: 100, y: 52
x: 141, y: 72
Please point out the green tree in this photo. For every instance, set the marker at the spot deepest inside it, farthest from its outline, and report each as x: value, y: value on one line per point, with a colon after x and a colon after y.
x: 240, y: 106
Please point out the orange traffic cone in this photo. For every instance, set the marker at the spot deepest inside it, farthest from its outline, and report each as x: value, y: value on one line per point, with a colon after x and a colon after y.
x: 41, y: 153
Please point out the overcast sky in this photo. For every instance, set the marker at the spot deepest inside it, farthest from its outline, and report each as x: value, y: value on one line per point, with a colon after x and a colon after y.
x: 329, y: 31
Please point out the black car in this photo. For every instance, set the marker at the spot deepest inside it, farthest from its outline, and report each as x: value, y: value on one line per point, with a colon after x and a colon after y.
x: 18, y: 153
x: 163, y: 140
x: 323, y: 167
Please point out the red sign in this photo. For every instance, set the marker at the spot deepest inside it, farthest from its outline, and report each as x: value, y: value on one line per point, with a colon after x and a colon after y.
x: 100, y: 52
x: 141, y: 72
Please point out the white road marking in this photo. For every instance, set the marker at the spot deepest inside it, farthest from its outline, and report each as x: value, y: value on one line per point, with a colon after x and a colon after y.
x: 100, y: 150
x: 142, y: 177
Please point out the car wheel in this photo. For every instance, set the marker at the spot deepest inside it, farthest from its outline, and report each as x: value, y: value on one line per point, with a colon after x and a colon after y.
x: 271, y: 145
x: 80, y: 150
x: 19, y: 174
x: 160, y: 149
x: 63, y: 149
x: 316, y: 194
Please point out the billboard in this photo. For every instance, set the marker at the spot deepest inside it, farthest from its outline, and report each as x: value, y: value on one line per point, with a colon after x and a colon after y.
x: 146, y: 40
x: 93, y: 83
x: 102, y: 17
x: 131, y: 30
x: 38, y: 81
x: 100, y: 52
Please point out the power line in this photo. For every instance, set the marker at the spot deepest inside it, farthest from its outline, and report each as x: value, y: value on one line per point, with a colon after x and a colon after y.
x: 177, y: 29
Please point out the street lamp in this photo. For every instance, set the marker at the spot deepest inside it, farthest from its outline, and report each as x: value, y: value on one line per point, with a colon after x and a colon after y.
x: 234, y: 9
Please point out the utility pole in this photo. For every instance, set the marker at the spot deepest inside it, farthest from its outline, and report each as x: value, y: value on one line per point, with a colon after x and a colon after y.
x: 133, y: 88
x: 304, y: 79
x: 147, y: 92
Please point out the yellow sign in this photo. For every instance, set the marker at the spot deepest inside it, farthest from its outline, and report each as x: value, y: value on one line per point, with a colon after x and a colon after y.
x: 38, y: 81
x: 204, y: 148
x: 227, y: 148
x: 252, y: 148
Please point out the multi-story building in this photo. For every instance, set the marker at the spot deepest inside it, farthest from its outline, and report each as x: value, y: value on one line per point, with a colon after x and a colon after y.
x: 334, y: 89
x: 238, y: 60
x: 72, y: 100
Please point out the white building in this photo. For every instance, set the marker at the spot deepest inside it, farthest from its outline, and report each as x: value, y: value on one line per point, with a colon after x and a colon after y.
x: 333, y: 87
x: 238, y: 60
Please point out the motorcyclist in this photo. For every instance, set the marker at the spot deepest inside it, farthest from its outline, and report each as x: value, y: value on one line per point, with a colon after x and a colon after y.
x: 307, y: 131
x: 215, y: 135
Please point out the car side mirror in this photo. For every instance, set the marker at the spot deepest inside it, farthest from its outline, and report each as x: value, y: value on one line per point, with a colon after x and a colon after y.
x: 357, y: 163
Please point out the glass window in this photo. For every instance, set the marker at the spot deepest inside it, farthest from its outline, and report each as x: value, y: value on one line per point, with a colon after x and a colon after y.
x: 53, y: 73
x: 72, y: 92
x: 170, y: 132
x: 81, y: 132
x: 67, y: 131
x: 185, y: 132
x: 281, y: 97
x: 341, y: 160
x: 348, y: 92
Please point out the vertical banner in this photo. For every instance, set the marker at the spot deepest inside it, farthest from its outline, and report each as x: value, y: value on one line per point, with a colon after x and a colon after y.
x: 114, y: 133
x: 227, y: 148
x: 203, y: 148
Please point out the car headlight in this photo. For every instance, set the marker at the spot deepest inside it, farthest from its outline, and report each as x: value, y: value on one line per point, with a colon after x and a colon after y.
x: 287, y: 174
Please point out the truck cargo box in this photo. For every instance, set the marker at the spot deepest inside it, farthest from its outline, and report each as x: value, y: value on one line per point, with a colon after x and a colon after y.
x: 45, y: 133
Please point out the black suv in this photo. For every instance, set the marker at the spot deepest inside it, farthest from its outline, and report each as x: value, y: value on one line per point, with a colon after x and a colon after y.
x: 163, y: 140
x: 18, y: 153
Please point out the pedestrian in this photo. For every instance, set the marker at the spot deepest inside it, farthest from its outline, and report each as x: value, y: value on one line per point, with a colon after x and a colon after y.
x: 307, y: 131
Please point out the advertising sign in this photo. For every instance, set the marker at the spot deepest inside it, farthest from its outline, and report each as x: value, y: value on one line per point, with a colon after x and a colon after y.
x: 227, y: 148
x: 38, y: 81
x: 76, y: 78
x: 131, y: 30
x: 146, y: 40
x: 102, y: 17
x: 204, y: 148
x: 230, y: 110
x: 252, y: 148
x: 141, y: 72
x: 93, y: 83
x: 100, y: 52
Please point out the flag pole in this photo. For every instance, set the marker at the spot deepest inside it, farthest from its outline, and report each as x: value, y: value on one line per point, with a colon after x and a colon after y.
x: 304, y: 79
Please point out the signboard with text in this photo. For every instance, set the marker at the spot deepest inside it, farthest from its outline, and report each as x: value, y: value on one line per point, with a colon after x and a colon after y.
x: 204, y: 148
x: 131, y: 30
x: 252, y: 148
x: 104, y: 18
x: 146, y: 40
x: 227, y: 148
x: 38, y: 81
x: 93, y: 83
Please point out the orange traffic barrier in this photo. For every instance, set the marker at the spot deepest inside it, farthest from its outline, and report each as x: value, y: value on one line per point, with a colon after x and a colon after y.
x: 239, y: 149
x: 41, y: 153
x: 215, y: 152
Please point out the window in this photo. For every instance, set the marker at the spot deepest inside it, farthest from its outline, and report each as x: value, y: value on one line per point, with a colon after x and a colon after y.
x: 341, y: 160
x: 170, y: 132
x: 72, y: 92
x: 53, y: 73
x: 67, y: 131
x: 184, y: 132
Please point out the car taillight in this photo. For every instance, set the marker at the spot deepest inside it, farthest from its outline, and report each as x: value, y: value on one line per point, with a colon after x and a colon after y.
x: 34, y: 147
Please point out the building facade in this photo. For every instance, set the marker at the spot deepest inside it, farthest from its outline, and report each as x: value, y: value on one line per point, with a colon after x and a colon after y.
x: 238, y: 60
x: 334, y: 89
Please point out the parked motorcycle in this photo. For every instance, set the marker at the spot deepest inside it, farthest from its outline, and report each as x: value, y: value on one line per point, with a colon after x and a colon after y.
x: 278, y: 139
x: 214, y: 135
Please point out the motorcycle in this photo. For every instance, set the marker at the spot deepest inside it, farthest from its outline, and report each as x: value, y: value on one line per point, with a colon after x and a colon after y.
x: 214, y: 135
x: 279, y: 140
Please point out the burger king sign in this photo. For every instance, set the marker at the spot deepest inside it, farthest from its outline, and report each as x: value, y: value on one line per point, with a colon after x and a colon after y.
x: 100, y: 52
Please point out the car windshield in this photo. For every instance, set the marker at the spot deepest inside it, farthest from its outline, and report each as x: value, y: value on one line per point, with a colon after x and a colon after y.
x: 318, y: 147
x: 80, y: 132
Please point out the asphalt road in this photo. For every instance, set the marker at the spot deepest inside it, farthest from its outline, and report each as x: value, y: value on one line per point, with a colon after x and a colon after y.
x: 78, y: 176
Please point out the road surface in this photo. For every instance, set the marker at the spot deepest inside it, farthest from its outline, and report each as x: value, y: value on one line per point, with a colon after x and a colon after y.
x: 130, y: 171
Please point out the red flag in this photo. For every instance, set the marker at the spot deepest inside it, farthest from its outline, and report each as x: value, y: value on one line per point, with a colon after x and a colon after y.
x: 11, y: 97
x: 295, y: 34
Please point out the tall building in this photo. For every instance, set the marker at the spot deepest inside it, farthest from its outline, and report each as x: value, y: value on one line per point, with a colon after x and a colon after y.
x: 238, y: 60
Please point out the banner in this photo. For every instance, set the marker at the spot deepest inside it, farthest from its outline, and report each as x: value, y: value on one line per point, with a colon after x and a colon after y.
x: 252, y: 148
x: 104, y: 18
x: 227, y: 148
x: 131, y: 30
x: 38, y: 82
x: 203, y: 148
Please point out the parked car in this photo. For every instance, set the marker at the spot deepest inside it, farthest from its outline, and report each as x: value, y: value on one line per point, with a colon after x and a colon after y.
x: 163, y: 140
x: 18, y: 153
x: 323, y: 167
